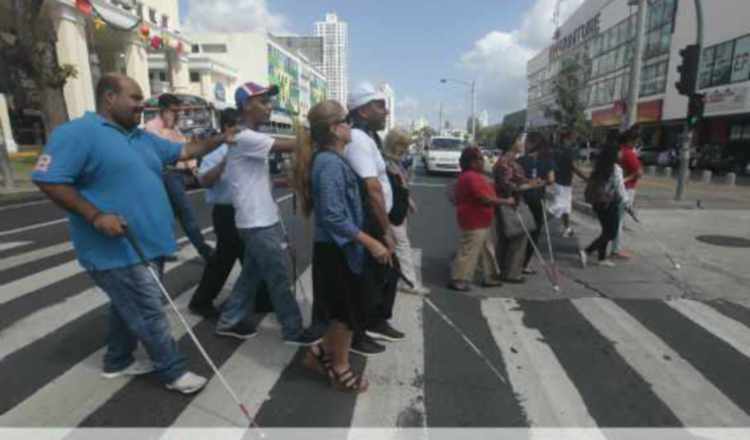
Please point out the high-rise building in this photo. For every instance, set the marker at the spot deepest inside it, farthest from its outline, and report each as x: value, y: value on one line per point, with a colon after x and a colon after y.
x: 390, y: 104
x: 335, y: 35
x: 484, y: 118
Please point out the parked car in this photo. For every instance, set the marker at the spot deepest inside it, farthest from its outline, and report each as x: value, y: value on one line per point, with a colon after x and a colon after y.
x: 443, y: 154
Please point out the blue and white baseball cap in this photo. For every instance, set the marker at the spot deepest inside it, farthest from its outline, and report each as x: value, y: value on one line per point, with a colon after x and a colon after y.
x: 251, y: 89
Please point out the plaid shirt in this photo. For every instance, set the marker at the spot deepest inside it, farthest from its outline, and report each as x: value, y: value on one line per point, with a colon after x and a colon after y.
x: 509, y: 175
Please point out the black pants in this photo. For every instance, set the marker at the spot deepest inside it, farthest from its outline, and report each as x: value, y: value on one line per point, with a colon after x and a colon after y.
x: 537, y: 210
x: 229, y: 249
x: 609, y: 219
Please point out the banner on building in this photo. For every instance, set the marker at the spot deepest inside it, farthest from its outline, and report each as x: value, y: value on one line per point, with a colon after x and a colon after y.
x: 650, y: 111
x: 318, y: 89
x: 284, y: 72
x: 726, y: 99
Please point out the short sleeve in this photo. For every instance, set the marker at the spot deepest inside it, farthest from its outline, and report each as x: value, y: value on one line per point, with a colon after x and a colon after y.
x: 360, y: 157
x: 212, y: 159
x: 253, y: 145
x: 169, y: 152
x: 64, y: 157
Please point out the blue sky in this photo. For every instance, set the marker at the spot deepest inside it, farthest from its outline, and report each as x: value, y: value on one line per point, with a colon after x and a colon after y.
x: 411, y: 44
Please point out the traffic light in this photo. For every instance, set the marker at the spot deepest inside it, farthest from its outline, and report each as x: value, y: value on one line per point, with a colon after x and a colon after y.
x: 696, y: 106
x: 688, y: 70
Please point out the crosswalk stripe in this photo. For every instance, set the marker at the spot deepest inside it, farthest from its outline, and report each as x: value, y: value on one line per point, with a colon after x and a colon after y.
x: 544, y: 389
x: 34, y: 226
x: 36, y: 255
x: 674, y: 380
x: 727, y: 329
x: 74, y: 395
x: 12, y: 244
x: 45, y: 321
x: 39, y: 280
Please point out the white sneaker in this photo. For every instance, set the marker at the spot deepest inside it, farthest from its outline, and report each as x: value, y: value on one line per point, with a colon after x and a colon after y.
x: 606, y: 263
x: 584, y: 258
x: 188, y: 383
x: 419, y: 290
x: 137, y: 368
x: 568, y: 232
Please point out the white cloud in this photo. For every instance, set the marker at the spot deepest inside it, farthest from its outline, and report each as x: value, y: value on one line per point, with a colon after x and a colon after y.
x: 233, y: 16
x: 498, y: 60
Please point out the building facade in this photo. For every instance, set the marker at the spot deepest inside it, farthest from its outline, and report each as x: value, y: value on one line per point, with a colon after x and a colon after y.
x: 390, y: 104
x: 335, y: 34
x: 600, y: 36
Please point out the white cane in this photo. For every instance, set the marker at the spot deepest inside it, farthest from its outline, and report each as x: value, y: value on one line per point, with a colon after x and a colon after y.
x: 555, y: 270
x: 538, y: 254
x: 189, y: 329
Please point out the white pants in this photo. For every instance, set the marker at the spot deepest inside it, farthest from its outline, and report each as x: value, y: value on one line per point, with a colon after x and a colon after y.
x: 405, y: 253
x: 617, y: 242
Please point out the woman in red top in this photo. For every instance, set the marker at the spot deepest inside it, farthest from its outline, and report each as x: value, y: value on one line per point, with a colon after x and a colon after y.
x: 475, y: 207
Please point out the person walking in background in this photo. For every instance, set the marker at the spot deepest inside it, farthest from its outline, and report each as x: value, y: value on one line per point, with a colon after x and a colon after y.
x: 368, y: 112
x: 565, y: 169
x: 229, y: 248
x: 537, y: 164
x: 510, y: 182
x: 258, y: 222
x: 106, y: 172
x: 396, y: 145
x: 330, y: 188
x: 475, y: 201
x: 165, y: 125
x: 605, y: 192
x: 632, y: 172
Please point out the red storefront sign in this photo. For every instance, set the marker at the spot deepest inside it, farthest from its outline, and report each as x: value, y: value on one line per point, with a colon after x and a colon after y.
x: 650, y: 111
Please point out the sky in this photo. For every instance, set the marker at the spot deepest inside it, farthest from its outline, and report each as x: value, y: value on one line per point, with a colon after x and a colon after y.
x: 412, y: 44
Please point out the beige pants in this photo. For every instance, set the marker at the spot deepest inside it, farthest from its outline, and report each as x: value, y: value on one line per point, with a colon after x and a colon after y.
x: 475, y: 247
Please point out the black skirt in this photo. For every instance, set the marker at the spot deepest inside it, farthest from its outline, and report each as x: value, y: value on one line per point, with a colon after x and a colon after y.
x: 337, y: 292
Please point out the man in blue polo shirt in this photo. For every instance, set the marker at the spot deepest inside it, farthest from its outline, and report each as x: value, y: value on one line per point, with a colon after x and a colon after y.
x: 106, y: 172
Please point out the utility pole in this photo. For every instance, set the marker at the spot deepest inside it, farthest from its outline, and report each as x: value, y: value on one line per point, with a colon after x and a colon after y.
x: 687, y: 140
x: 473, y: 111
x: 636, y: 64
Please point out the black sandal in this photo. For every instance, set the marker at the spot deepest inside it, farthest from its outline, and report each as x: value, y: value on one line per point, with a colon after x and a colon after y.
x: 347, y: 381
x: 318, y: 360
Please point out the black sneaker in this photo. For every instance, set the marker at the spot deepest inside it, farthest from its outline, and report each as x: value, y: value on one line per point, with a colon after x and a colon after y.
x: 305, y: 338
x: 366, y: 346
x: 207, y: 311
x: 243, y: 331
x: 386, y: 332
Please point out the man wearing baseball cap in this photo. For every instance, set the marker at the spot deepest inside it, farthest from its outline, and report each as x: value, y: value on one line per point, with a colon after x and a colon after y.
x: 368, y: 112
x: 257, y: 219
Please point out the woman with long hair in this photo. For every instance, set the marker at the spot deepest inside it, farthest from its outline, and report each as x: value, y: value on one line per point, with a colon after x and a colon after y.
x: 329, y: 188
x: 605, y: 191
x: 395, y: 146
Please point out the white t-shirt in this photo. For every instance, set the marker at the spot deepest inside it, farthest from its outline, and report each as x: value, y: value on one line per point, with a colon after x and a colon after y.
x: 363, y: 155
x: 250, y: 180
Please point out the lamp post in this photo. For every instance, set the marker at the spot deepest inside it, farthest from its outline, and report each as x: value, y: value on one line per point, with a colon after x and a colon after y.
x: 472, y: 86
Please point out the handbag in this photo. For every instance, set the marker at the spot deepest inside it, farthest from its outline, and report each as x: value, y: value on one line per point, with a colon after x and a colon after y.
x: 509, y: 216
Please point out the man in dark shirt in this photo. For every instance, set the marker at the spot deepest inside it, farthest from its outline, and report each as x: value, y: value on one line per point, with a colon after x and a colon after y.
x: 565, y: 168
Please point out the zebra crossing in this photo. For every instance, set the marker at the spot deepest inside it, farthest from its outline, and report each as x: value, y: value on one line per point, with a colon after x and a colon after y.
x: 577, y: 365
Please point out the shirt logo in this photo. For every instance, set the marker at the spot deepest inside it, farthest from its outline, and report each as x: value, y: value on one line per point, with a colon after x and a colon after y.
x: 43, y: 163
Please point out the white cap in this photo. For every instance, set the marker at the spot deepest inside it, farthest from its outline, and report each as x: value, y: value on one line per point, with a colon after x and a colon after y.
x: 363, y: 94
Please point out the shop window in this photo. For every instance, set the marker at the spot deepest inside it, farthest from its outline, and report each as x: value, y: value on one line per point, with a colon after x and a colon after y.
x: 195, y: 77
x: 195, y: 48
x: 653, y: 79
x: 214, y: 48
x: 165, y: 21
x: 707, y: 65
x: 139, y: 10
x: 741, y: 60
x: 722, y: 69
x: 152, y: 15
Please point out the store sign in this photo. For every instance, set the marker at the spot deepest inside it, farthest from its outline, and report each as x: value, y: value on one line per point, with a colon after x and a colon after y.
x: 580, y: 34
x: 650, y: 111
x: 220, y: 92
x: 726, y: 99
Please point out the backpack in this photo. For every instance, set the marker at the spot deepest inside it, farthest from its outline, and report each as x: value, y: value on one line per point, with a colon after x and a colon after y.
x: 598, y: 193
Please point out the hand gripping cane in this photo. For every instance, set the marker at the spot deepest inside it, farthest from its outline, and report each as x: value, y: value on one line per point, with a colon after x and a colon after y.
x: 137, y: 247
x: 547, y: 269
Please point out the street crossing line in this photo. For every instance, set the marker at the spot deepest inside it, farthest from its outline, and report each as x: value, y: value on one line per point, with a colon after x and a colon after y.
x: 546, y: 392
x: 45, y: 321
x: 36, y: 255
x: 13, y: 244
x: 34, y: 226
x: 727, y: 329
x: 675, y: 381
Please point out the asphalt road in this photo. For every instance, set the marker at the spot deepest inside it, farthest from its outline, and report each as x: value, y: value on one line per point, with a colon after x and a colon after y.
x: 624, y: 347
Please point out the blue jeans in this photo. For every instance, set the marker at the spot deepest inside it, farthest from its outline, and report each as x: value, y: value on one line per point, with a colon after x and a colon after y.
x: 266, y: 261
x: 136, y: 314
x: 174, y: 182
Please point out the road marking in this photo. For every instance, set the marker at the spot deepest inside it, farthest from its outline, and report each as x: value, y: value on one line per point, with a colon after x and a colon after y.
x: 674, y: 380
x: 13, y: 244
x: 23, y: 205
x: 546, y: 392
x: 28, y: 257
x: 727, y: 329
x: 428, y: 185
x: 34, y: 226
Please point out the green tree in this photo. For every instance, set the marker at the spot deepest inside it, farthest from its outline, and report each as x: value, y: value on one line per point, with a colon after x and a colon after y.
x: 570, y: 100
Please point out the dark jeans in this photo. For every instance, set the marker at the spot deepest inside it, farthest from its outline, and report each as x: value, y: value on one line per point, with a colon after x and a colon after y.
x: 609, y: 218
x: 174, y: 182
x: 229, y: 248
x: 136, y: 314
x: 535, y: 205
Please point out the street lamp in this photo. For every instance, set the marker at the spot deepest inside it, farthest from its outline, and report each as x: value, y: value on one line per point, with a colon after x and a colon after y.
x: 472, y: 85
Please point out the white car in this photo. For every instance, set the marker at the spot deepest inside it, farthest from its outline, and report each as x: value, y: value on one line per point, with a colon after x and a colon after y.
x: 443, y: 155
